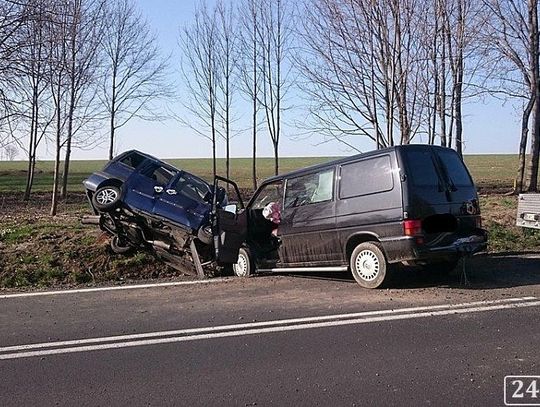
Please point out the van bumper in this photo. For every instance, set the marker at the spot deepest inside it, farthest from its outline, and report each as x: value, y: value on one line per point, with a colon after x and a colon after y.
x: 407, y: 249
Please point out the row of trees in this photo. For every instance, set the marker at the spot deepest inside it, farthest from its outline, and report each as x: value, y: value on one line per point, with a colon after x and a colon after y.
x: 238, y: 48
x: 391, y: 71
x: 387, y: 71
x: 66, y: 68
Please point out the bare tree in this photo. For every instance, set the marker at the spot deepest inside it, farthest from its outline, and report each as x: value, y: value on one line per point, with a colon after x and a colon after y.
x: 85, y: 33
x: 274, y: 42
x: 512, y: 41
x: 358, y: 71
x: 227, y: 65
x: 57, y: 39
x: 200, y: 70
x: 249, y: 69
x: 13, y: 15
x: 136, y: 73
x: 388, y: 70
x: 11, y: 152
x: 34, y: 82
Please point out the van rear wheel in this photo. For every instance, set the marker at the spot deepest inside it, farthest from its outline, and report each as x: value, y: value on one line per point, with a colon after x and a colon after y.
x: 368, y: 265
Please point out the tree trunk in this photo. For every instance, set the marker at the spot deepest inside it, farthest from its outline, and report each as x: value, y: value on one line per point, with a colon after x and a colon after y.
x: 254, y: 117
x: 276, y: 158
x: 65, y: 174
x: 31, y: 152
x: 458, y: 79
x: 54, y: 203
x: 535, y: 83
x: 113, y: 114
x: 111, y: 145
x: 535, y: 148
x: 458, y: 116
x: 520, y: 181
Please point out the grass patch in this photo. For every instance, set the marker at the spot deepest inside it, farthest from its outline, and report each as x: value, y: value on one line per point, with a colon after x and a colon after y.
x: 487, y: 170
x: 499, y: 216
x: 15, y: 234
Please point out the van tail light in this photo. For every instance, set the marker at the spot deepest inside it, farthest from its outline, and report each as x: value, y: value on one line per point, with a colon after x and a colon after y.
x: 412, y: 227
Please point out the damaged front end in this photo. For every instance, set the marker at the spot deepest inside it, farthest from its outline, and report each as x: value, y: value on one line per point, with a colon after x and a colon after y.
x: 189, y: 235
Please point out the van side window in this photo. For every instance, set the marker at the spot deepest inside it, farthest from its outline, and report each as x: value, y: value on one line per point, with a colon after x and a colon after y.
x: 310, y: 189
x: 269, y: 193
x: 159, y: 174
x: 366, y: 177
x: 132, y: 160
x: 191, y: 187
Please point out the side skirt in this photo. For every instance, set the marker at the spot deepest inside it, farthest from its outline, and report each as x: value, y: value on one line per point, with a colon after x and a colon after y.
x: 301, y: 269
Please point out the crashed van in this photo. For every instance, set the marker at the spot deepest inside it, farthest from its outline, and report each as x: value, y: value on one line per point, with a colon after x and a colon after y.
x: 412, y: 204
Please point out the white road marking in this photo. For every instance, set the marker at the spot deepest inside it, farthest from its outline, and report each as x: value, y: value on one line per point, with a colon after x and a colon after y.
x: 113, y: 288
x: 285, y: 325
x: 260, y: 324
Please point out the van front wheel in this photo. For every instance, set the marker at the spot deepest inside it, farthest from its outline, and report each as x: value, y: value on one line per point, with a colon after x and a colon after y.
x: 368, y: 265
x: 244, y: 266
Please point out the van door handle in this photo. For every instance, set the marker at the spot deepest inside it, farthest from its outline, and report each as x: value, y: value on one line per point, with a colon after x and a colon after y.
x: 171, y: 191
x: 158, y: 189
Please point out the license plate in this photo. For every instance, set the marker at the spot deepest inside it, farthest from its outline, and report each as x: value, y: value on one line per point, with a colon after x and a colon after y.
x: 531, y: 217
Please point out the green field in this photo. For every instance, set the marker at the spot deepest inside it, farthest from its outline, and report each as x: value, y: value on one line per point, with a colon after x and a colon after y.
x: 487, y: 170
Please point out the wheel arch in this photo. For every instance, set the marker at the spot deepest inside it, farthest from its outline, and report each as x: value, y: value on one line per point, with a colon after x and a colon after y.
x: 358, y: 238
x: 114, y: 182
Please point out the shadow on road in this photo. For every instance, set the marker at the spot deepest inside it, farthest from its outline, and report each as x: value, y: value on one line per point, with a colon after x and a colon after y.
x: 481, y: 272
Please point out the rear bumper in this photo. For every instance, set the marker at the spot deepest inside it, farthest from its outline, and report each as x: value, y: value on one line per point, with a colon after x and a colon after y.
x: 406, y: 248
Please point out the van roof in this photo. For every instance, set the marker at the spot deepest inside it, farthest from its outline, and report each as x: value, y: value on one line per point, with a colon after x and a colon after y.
x: 345, y: 160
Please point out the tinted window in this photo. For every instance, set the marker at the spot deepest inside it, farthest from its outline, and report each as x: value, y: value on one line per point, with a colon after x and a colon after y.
x: 159, y: 174
x: 309, y: 189
x: 132, y: 160
x: 269, y: 193
x: 422, y: 171
x: 455, y: 168
x: 366, y: 177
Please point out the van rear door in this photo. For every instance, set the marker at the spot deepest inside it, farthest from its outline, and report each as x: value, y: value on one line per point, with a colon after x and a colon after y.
x: 440, y: 193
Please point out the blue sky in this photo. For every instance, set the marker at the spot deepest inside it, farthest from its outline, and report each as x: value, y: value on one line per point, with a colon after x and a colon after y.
x: 489, y: 126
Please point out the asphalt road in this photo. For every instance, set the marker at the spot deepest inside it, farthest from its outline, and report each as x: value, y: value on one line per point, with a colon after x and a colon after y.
x: 278, y: 340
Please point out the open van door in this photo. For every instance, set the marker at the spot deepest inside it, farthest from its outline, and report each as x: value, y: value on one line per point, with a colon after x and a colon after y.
x: 229, y: 225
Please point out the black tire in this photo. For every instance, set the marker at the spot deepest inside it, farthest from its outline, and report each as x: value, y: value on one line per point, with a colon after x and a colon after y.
x: 205, y: 234
x: 244, y: 267
x: 107, y: 198
x: 368, y: 265
x: 120, y: 247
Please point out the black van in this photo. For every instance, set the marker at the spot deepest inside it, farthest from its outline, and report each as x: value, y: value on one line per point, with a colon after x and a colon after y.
x: 413, y: 204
